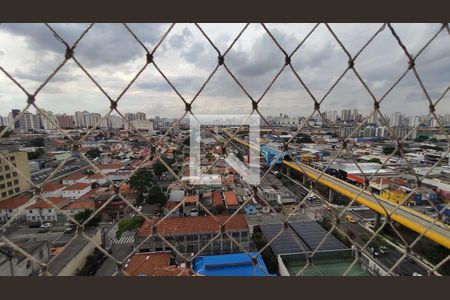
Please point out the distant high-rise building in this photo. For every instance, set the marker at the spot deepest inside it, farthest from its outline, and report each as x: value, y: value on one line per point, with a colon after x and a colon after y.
x: 354, y: 115
x: 29, y: 121
x: 14, y: 114
x: 157, y: 122
x: 115, y: 122
x: 48, y: 121
x: 395, y: 119
x: 65, y: 121
x: 82, y: 119
x: 140, y: 116
x: 346, y: 115
x: 94, y: 118
x: 130, y: 116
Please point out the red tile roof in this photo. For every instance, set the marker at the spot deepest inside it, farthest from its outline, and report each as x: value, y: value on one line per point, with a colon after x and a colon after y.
x: 77, y: 186
x: 228, y: 180
x: 58, y: 201
x: 216, y: 198
x: 110, y: 166
x: 75, y: 176
x: 191, y: 199
x: 153, y: 264
x: 96, y: 176
x: 15, y: 202
x: 230, y: 198
x: 52, y: 186
x: 190, y: 225
x: 83, y: 204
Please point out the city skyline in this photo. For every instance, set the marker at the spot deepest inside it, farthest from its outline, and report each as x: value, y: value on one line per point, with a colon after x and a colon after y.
x: 187, y: 59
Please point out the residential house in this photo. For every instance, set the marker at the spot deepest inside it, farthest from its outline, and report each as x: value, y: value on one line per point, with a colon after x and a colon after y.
x: 190, y: 234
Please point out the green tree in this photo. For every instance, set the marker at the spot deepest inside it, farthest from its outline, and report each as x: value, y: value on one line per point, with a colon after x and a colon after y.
x: 156, y: 196
x: 129, y: 224
x: 93, y: 153
x: 85, y: 214
x: 375, y: 160
x: 388, y: 150
x: 36, y: 142
x: 142, y: 180
x: 159, y: 168
x: 35, y: 154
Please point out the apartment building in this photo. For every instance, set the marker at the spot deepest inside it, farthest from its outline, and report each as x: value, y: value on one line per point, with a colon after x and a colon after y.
x: 11, y: 183
x: 190, y: 234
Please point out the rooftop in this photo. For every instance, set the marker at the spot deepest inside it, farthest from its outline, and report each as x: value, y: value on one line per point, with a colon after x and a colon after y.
x: 238, y: 264
x: 189, y: 225
x: 153, y: 264
x: 77, y: 186
x: 58, y: 201
x: 52, y: 186
x: 15, y: 202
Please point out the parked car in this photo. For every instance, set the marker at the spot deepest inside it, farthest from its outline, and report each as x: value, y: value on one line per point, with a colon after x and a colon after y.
x: 35, y: 225
x: 374, y: 251
x: 47, y: 225
x: 383, y: 249
x: 69, y: 230
x: 416, y: 274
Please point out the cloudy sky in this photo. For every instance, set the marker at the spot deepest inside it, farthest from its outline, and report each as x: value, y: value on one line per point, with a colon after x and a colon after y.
x: 30, y: 53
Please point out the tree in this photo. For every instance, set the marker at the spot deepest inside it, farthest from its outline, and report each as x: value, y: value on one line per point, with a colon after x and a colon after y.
x: 142, y: 180
x: 159, y: 168
x: 36, y: 142
x: 129, y: 224
x: 35, y: 154
x: 156, y: 196
x: 375, y: 160
x: 85, y: 214
x: 93, y: 153
x: 388, y: 150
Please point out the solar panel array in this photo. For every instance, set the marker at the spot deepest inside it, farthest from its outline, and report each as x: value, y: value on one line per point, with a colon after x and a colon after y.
x: 300, y: 237
x: 286, y: 243
x: 312, y: 233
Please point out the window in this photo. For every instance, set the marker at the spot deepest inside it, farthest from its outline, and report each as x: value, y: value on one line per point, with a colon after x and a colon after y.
x: 4, y: 194
x: 10, y: 192
x: 12, y: 158
x: 49, y: 210
x: 16, y: 182
x: 30, y: 211
x: 6, y: 168
x: 14, y: 174
x: 16, y: 190
x: 28, y: 264
x: 2, y: 186
x: 9, y: 183
x: 235, y: 234
x: 8, y: 175
x: 10, y: 210
x: 2, y: 177
x: 244, y: 234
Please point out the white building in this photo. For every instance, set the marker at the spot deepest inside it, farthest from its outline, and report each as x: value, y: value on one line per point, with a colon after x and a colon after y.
x: 42, y: 211
x: 76, y: 190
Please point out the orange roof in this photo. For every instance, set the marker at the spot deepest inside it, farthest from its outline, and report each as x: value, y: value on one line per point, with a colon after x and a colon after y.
x: 44, y: 204
x: 84, y: 204
x: 75, y: 176
x: 216, y: 198
x: 124, y: 188
x: 110, y: 166
x: 189, y: 225
x: 191, y: 199
x: 52, y: 186
x: 77, y: 186
x: 230, y: 198
x: 171, y: 205
x: 15, y: 202
x: 96, y: 176
x: 153, y: 264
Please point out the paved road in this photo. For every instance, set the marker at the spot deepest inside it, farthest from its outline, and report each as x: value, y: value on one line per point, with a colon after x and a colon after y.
x: 439, y: 232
